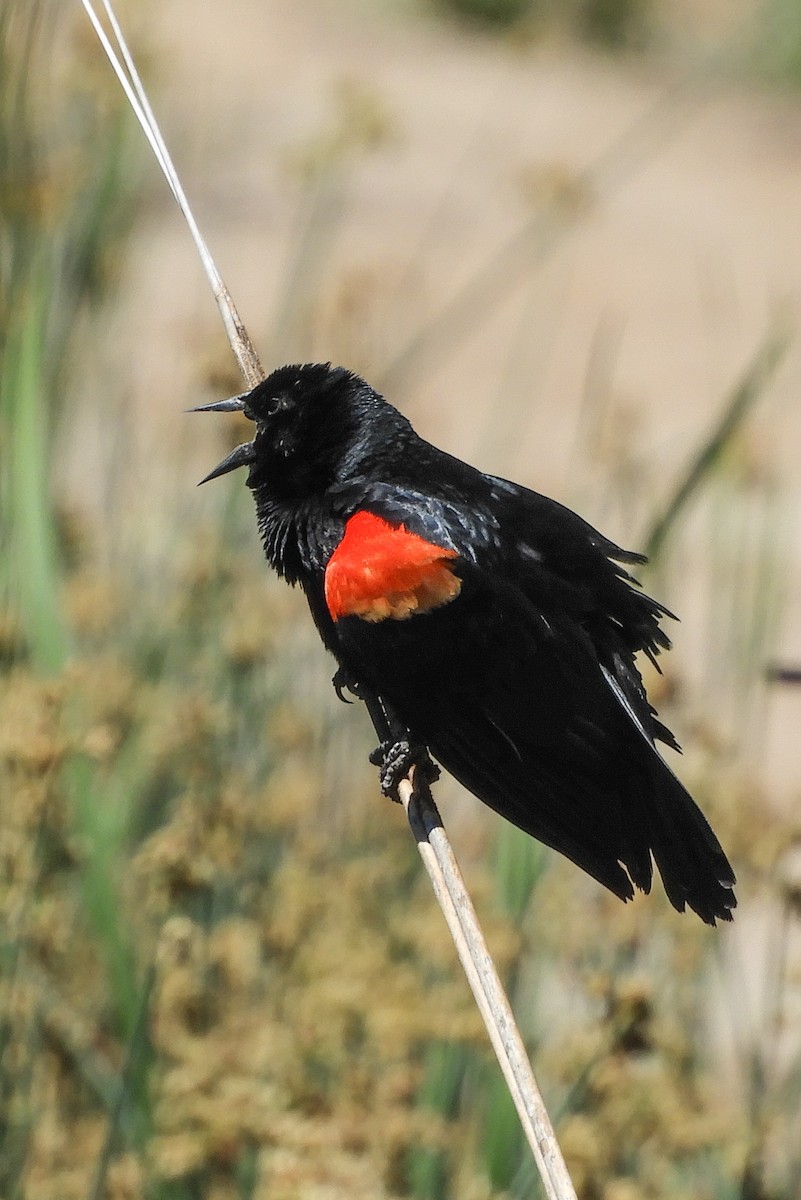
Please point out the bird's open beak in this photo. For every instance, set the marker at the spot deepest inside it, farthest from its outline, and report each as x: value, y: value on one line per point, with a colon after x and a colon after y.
x: 243, y: 455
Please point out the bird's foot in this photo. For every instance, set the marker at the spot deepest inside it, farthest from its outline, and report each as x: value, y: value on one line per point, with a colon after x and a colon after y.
x: 343, y: 682
x: 396, y: 759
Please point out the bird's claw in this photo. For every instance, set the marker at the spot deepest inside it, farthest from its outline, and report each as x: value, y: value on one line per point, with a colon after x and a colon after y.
x: 396, y: 759
x: 343, y: 682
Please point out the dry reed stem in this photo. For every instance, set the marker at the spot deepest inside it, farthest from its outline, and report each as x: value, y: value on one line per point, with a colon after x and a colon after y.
x: 457, y: 907
x: 424, y: 819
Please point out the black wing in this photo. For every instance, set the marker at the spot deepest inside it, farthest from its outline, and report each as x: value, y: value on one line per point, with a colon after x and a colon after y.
x: 524, y: 687
x: 562, y: 563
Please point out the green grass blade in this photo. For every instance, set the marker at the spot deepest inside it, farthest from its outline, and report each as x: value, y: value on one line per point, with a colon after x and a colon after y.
x: 738, y: 404
x: 33, y: 567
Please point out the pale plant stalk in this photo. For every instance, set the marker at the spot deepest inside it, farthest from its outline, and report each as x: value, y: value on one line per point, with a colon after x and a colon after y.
x: 126, y: 72
x: 482, y: 975
x: 424, y: 819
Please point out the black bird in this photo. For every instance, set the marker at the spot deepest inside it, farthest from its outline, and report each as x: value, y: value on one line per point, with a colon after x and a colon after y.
x: 497, y: 627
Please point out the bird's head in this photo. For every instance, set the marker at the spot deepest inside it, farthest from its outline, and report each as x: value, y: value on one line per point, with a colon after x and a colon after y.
x: 315, y: 424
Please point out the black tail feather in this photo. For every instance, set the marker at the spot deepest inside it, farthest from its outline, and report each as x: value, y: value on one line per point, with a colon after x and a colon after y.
x: 694, y: 869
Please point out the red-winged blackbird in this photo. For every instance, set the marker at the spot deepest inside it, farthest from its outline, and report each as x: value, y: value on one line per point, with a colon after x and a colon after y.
x: 497, y: 627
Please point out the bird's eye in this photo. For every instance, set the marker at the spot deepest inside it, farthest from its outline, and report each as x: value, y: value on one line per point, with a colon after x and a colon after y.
x: 273, y: 405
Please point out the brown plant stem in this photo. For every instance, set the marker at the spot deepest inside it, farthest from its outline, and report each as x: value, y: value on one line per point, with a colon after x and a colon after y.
x: 457, y: 907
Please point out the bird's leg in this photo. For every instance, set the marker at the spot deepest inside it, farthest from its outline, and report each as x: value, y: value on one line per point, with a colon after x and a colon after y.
x: 397, y: 753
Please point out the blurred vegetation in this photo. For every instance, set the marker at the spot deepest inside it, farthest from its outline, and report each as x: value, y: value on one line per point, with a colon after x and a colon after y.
x: 614, y: 24
x: 778, y: 44
x: 609, y: 25
x: 764, y: 35
x: 222, y: 973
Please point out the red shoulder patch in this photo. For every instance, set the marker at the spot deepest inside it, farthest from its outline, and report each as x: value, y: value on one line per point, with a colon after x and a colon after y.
x: 380, y: 571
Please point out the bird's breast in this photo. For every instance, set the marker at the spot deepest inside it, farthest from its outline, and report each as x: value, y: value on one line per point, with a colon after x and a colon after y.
x: 383, y: 572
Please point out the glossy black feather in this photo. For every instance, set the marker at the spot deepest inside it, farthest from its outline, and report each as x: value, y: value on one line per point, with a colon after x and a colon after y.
x: 525, y: 685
